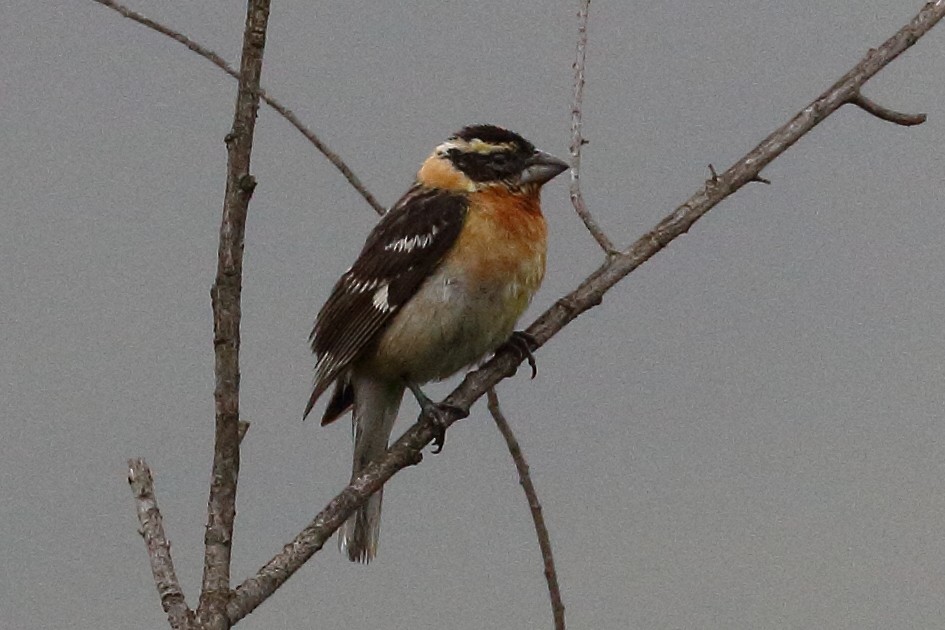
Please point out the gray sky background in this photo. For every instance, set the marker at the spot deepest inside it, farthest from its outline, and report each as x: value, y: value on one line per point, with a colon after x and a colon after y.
x: 748, y: 433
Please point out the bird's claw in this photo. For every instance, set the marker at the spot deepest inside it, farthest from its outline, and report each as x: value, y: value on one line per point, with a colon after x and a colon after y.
x: 438, y: 414
x: 523, y: 343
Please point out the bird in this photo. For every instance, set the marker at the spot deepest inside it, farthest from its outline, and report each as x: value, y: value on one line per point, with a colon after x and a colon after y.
x: 440, y: 283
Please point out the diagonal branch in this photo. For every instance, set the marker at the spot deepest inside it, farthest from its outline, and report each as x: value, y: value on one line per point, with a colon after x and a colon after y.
x: 406, y: 451
x: 578, y: 141
x: 225, y: 298
x: 159, y: 548
x: 541, y: 530
x: 285, y: 112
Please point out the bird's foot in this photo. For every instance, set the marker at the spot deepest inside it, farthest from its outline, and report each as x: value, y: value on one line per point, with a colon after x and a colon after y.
x: 522, y: 344
x: 438, y: 414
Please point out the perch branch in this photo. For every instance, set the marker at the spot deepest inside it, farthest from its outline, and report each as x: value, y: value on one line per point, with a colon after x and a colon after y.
x: 406, y: 450
x: 159, y: 548
x: 578, y: 141
x: 283, y: 111
x: 541, y: 530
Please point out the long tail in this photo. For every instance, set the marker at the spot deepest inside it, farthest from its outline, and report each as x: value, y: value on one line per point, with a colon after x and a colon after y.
x: 375, y: 409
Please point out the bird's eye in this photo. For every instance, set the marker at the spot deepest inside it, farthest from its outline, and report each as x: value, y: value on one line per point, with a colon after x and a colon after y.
x: 500, y: 159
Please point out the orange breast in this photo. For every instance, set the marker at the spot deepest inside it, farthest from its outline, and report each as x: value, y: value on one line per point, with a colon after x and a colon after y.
x: 504, y: 240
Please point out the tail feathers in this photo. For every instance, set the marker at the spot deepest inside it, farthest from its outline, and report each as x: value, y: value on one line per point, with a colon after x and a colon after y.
x: 357, y: 538
x: 341, y: 401
x: 375, y: 409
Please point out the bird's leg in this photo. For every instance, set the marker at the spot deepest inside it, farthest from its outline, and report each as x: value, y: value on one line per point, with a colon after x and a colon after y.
x: 437, y: 413
x: 522, y: 343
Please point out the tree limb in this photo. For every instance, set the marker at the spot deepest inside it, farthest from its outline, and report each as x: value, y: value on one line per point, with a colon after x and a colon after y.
x: 406, y: 451
x: 285, y: 112
x: 578, y: 141
x: 534, y: 505
x: 151, y: 529
x: 225, y: 299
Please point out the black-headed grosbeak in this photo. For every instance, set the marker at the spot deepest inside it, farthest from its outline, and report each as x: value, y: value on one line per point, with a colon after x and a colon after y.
x: 440, y: 283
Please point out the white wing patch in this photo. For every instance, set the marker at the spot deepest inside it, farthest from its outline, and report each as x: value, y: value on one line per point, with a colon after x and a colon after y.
x: 380, y: 300
x: 326, y: 363
x: 407, y: 244
x: 362, y: 286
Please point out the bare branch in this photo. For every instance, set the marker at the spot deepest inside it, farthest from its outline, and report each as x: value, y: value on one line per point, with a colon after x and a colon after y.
x: 285, y: 112
x: 225, y: 298
x: 714, y: 179
x: 874, y: 108
x: 333, y: 157
x: 541, y: 530
x: 715, y: 176
x: 159, y: 548
x: 406, y: 451
x: 578, y: 141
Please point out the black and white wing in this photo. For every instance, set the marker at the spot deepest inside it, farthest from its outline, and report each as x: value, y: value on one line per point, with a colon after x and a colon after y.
x: 402, y: 250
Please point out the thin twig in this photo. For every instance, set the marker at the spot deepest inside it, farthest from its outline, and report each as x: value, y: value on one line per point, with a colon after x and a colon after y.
x: 890, y: 115
x: 225, y: 299
x: 541, y: 530
x: 159, y: 548
x: 406, y: 450
x: 578, y: 141
x: 285, y: 112
x: 715, y: 176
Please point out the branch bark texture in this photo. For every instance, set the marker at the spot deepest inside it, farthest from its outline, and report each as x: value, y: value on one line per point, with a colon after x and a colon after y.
x: 577, y: 138
x: 151, y: 528
x: 225, y: 298
x: 406, y: 451
x: 534, y: 506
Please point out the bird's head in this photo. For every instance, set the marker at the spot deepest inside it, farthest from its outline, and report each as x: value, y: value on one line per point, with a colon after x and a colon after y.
x: 483, y: 156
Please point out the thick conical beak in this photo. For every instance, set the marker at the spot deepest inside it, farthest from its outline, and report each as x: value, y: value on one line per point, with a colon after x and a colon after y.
x: 541, y: 167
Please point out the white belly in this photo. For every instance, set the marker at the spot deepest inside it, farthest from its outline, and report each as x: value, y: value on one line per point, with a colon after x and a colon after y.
x: 449, y: 324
